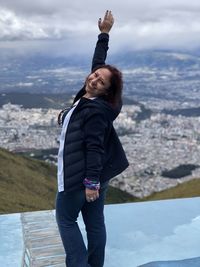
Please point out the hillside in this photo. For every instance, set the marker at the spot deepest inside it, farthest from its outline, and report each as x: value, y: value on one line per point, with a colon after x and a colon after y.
x: 27, y: 184
x: 187, y: 189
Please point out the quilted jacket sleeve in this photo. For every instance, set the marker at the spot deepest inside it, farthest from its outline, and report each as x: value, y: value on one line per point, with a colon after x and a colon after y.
x: 100, y: 52
x: 94, y: 135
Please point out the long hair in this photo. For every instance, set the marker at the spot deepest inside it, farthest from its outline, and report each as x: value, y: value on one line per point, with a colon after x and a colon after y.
x: 114, y: 93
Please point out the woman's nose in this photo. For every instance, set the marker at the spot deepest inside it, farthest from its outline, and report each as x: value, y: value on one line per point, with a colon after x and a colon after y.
x: 94, y: 81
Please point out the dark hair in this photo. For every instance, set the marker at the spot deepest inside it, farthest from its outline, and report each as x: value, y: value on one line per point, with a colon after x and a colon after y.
x: 114, y: 93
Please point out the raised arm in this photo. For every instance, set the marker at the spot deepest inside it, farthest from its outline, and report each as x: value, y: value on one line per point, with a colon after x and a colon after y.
x: 101, y: 48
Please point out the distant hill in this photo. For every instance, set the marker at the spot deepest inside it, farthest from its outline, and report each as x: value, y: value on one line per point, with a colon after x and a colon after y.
x: 49, y: 74
x: 187, y: 112
x: 139, y: 58
x: 184, y: 190
x: 28, y: 184
x: 28, y: 100
x: 180, y: 60
x: 47, y: 101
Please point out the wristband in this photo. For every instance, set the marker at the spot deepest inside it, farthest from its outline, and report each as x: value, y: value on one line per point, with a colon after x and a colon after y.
x: 91, y: 184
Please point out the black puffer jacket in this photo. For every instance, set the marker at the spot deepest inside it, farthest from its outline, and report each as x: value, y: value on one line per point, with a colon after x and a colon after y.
x: 92, y: 148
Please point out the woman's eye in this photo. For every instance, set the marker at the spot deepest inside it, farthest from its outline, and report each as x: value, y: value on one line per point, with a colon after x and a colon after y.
x: 101, y: 81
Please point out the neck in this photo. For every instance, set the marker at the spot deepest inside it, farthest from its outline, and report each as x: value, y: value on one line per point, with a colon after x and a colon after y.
x: 87, y: 95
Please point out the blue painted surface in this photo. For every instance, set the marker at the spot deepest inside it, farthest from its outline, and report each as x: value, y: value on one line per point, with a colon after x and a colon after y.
x: 11, y: 240
x: 158, y: 234
x: 140, y: 233
x: 153, y: 231
x: 195, y: 262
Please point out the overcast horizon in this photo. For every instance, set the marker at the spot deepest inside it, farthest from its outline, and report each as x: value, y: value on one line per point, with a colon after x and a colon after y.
x: 65, y: 28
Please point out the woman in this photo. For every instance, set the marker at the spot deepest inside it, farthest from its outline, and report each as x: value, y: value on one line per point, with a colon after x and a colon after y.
x: 90, y: 154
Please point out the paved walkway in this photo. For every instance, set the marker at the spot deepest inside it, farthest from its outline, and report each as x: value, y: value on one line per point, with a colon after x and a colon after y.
x: 41, y: 240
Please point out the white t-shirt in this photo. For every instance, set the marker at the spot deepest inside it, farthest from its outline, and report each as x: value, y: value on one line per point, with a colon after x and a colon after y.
x: 60, y: 172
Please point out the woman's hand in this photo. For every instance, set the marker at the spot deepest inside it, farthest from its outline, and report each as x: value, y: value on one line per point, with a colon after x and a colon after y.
x: 91, y: 195
x: 107, y: 23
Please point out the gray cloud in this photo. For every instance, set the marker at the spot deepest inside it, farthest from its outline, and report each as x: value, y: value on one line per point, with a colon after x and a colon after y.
x: 140, y: 24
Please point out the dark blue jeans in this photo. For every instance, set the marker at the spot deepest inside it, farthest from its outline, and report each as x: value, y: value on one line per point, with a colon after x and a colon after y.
x: 68, y: 206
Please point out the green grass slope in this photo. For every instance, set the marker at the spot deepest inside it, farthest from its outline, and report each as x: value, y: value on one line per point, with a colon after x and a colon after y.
x: 27, y: 184
x: 184, y: 190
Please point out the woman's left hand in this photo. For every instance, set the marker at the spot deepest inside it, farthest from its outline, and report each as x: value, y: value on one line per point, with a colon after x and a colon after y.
x: 91, y: 195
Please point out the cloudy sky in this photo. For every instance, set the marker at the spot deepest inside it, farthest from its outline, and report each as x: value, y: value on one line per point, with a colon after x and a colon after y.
x: 67, y: 27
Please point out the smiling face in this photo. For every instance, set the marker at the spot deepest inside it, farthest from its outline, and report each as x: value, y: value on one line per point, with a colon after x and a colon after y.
x: 97, y: 83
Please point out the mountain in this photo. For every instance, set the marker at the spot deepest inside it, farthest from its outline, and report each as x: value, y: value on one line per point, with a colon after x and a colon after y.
x: 158, y: 60
x: 139, y: 58
x: 28, y: 100
x: 27, y: 185
x: 47, y: 74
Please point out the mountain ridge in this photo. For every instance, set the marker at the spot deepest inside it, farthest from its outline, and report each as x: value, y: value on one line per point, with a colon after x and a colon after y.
x: 28, y: 185
x: 140, y: 58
